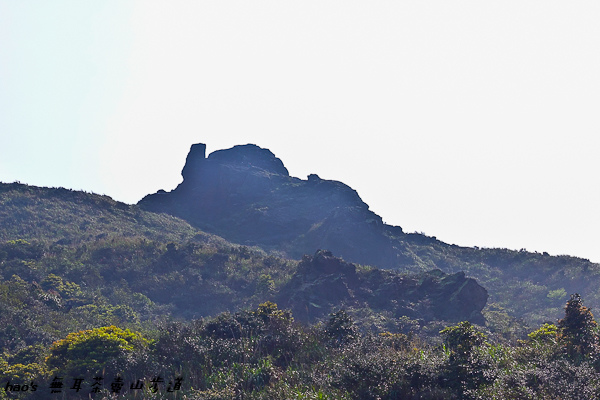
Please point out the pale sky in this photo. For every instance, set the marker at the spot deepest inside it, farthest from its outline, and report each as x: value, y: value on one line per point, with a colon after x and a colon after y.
x: 476, y: 121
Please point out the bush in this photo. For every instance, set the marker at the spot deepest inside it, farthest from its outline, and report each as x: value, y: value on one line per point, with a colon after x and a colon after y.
x: 109, y: 349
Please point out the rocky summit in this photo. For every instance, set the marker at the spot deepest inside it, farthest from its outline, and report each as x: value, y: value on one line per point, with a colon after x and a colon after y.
x: 246, y: 195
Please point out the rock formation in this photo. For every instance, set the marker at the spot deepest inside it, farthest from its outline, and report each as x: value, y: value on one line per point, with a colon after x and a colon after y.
x: 323, y: 283
x: 246, y: 195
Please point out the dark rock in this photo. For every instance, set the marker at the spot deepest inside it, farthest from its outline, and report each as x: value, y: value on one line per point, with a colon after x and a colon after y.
x: 457, y: 297
x: 323, y: 283
x: 193, y: 163
x: 250, y: 156
x: 246, y: 195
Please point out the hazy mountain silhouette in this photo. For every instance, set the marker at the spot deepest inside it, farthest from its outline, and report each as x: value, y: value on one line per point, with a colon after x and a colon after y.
x: 246, y: 195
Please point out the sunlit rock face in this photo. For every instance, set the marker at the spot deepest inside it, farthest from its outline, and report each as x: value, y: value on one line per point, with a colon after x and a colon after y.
x: 246, y: 195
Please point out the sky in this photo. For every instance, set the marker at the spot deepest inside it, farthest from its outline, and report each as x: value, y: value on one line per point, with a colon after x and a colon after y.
x: 477, y: 122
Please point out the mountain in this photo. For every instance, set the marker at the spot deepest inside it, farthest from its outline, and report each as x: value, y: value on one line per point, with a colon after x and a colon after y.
x: 246, y: 195
x: 71, y: 260
x: 93, y: 290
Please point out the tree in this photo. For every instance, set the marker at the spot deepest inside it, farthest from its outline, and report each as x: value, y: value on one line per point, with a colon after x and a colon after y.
x: 578, y: 329
x: 109, y: 347
x: 546, y: 334
x: 340, y: 328
x: 465, y: 369
x: 462, y: 339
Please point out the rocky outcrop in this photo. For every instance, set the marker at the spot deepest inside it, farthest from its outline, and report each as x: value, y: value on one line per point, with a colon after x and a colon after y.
x: 246, y: 195
x: 323, y: 283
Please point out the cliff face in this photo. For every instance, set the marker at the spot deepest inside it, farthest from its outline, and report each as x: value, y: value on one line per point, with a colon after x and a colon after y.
x: 246, y: 195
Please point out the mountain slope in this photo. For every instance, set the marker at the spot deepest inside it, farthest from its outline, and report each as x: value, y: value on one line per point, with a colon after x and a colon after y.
x: 69, y: 217
x: 246, y: 195
x: 72, y: 260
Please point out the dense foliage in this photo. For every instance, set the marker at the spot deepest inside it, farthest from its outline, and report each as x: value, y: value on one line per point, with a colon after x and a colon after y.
x: 102, y: 298
x: 264, y: 354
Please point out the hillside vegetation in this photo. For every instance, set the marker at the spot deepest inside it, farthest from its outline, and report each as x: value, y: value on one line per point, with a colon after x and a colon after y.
x: 246, y: 195
x: 103, y: 299
x: 78, y: 267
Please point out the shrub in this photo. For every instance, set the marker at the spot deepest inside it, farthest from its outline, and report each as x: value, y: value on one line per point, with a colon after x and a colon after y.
x: 91, y: 351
